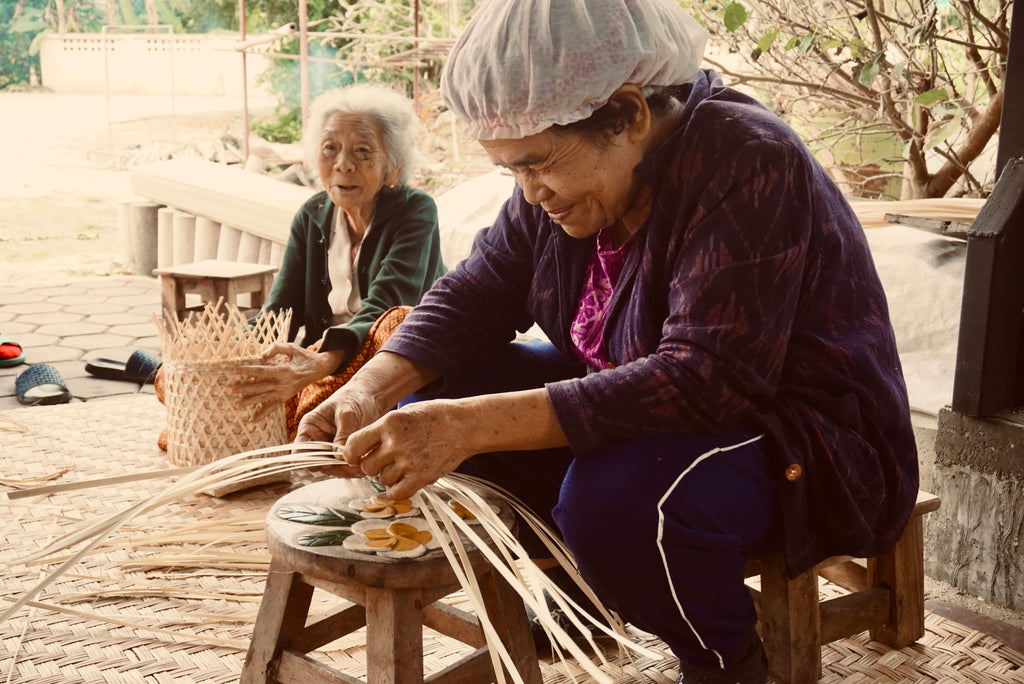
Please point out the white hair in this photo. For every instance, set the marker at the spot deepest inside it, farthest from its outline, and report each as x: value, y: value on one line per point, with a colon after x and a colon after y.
x: 392, y: 110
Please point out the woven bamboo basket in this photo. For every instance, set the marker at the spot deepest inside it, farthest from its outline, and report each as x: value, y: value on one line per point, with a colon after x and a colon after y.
x: 202, y: 360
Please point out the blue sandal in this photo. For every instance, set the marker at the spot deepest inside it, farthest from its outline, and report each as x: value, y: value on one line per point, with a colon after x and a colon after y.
x: 20, y: 358
x: 141, y: 367
x: 41, y: 385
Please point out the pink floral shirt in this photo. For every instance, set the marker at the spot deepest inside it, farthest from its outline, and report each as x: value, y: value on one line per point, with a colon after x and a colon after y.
x: 587, y: 329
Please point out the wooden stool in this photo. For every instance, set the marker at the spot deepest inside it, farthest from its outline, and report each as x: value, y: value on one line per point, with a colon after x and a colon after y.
x: 211, y: 280
x: 886, y: 598
x: 394, y: 599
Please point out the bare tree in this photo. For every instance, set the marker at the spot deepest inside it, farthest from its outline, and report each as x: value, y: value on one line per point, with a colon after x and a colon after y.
x: 152, y: 16
x: 112, y: 17
x: 927, y: 73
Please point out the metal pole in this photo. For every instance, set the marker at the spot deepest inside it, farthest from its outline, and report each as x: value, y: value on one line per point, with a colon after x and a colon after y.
x: 106, y: 82
x: 245, y: 84
x: 304, y: 60
x: 416, y: 56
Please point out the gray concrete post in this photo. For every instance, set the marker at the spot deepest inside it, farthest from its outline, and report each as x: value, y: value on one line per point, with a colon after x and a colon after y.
x: 184, y: 238
x: 143, y: 224
x: 227, y: 248
x: 207, y: 237
x: 164, y: 237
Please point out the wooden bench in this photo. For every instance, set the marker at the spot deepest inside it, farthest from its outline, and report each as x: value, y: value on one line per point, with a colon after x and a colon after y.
x: 886, y: 599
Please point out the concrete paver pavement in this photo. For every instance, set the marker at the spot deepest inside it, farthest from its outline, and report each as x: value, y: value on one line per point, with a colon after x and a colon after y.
x: 66, y: 323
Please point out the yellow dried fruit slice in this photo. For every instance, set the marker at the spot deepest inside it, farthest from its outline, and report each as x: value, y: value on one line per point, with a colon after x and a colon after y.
x: 423, y: 537
x: 388, y: 543
x: 461, y: 510
x: 404, y: 544
x: 378, y: 533
x: 402, y: 529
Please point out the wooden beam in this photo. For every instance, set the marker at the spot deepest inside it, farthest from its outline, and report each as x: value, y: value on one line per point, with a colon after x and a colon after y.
x: 988, y: 360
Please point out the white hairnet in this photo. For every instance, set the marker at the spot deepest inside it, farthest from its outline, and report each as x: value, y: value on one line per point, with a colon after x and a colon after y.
x: 524, y: 65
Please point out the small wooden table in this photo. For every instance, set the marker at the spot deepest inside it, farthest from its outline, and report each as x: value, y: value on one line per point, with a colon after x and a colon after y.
x: 212, y: 280
x: 394, y: 599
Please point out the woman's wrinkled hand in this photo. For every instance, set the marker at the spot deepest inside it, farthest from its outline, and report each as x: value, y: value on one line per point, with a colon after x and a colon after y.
x: 277, y: 381
x: 411, y: 447
x: 338, y: 416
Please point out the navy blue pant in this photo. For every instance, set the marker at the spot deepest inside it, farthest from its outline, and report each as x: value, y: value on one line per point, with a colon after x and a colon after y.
x: 661, y: 527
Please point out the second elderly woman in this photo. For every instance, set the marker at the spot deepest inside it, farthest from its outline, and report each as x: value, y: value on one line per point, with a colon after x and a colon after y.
x: 721, y: 382
x: 363, y: 245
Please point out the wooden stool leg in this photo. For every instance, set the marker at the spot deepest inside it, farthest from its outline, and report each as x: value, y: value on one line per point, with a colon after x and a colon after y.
x: 283, y: 612
x: 901, y: 570
x: 258, y: 298
x: 790, y: 622
x: 172, y: 298
x: 394, y: 636
x: 508, y: 615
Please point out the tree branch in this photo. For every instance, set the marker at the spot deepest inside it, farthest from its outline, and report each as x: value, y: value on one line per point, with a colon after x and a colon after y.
x: 977, y: 137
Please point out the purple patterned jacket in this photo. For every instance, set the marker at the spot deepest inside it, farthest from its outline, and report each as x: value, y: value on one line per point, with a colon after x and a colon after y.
x: 750, y: 300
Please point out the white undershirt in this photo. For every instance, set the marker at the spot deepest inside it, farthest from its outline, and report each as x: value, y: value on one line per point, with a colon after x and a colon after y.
x: 344, y: 296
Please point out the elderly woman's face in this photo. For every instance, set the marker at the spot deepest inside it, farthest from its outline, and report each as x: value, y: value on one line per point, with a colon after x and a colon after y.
x: 583, y: 187
x: 352, y: 162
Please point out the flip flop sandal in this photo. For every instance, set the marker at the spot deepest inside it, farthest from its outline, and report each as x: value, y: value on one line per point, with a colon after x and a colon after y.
x: 20, y: 358
x: 41, y: 385
x: 140, y: 367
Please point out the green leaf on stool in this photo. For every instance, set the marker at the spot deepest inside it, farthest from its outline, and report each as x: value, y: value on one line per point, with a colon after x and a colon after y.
x: 318, y: 515
x: 325, y: 538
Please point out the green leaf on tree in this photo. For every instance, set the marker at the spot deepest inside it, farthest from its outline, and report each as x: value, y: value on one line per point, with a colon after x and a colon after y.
x: 735, y: 15
x: 857, y: 48
x: 868, y: 73
x: 37, y: 42
x: 930, y: 97
x: 943, y: 130
x: 766, y: 41
x: 806, y: 43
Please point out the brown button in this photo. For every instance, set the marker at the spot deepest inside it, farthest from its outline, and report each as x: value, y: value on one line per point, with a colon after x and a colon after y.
x: 793, y: 472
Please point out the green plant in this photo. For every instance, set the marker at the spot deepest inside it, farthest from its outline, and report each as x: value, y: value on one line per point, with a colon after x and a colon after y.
x: 928, y: 75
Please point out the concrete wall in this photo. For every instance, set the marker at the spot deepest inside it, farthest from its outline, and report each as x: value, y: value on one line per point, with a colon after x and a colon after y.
x: 147, y: 64
x: 975, y: 540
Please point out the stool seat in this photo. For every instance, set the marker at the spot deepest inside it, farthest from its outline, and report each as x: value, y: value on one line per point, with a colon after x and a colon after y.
x: 393, y: 598
x: 211, y: 280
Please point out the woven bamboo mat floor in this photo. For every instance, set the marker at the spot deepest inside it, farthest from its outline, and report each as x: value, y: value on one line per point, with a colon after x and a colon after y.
x: 172, y: 599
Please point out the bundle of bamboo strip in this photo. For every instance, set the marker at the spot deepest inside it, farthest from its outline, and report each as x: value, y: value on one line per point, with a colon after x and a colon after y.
x: 202, y: 356
x: 455, y: 535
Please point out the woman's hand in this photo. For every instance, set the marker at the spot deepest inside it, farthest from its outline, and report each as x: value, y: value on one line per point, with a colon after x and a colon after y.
x: 373, y: 391
x: 338, y: 416
x: 278, y: 382
x: 414, y: 446
x: 341, y: 414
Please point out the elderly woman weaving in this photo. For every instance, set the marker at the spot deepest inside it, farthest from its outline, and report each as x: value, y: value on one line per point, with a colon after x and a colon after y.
x: 365, y: 244
x: 721, y: 382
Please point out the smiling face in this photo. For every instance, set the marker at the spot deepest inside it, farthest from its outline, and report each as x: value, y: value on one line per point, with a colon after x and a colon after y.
x: 582, y: 185
x: 353, y: 164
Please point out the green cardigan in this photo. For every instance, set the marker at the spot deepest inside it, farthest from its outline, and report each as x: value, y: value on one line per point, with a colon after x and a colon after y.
x: 399, y: 260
